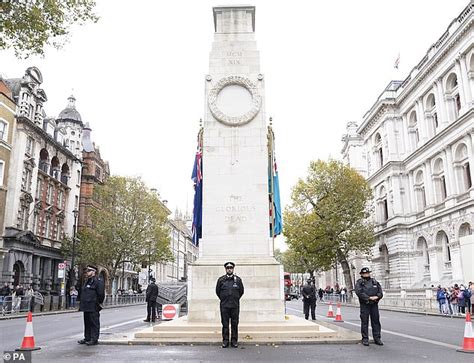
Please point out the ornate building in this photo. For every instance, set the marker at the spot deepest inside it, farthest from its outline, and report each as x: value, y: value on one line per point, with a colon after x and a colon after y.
x: 415, y: 147
x: 43, y: 185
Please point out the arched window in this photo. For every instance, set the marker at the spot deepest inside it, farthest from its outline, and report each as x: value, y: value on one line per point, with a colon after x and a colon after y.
x: 65, y: 173
x: 43, y: 164
x: 413, y: 129
x: 420, y: 191
x: 465, y: 230
x: 54, y: 170
x: 378, y: 149
x: 422, y: 246
x: 442, y: 241
x: 439, y: 181
x: 431, y: 113
x: 452, y: 93
x: 462, y: 168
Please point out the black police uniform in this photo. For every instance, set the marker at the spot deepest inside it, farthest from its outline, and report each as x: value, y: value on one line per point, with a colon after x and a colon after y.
x: 309, y: 301
x: 229, y: 289
x: 92, y: 295
x: 151, y: 296
x: 364, y: 289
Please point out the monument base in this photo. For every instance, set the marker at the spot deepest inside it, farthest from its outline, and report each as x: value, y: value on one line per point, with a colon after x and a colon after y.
x: 292, y: 330
x: 263, y: 299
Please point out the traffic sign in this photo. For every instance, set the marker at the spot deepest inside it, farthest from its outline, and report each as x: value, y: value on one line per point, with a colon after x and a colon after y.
x: 170, y: 311
x: 61, y: 266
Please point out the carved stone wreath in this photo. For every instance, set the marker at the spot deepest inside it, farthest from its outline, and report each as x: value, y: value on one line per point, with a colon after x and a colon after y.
x: 234, y: 120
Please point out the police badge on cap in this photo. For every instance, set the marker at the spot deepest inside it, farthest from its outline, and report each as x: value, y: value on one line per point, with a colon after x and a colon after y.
x: 229, y: 264
x: 365, y: 270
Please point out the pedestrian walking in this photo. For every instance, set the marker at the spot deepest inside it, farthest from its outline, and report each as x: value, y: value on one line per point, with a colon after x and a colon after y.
x: 461, y: 300
x: 344, y: 295
x: 320, y: 294
x: 309, y: 300
x: 92, y: 297
x: 467, y: 298
x: 229, y: 290
x: 369, y: 292
x: 455, y: 299
x: 73, y: 297
x: 151, y: 296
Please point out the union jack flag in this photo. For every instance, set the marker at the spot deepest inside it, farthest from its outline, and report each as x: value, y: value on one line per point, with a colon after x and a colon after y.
x: 197, y: 207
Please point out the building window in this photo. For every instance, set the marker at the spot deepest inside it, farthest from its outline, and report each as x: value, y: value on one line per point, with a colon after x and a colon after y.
x: 39, y: 187
x: 3, y: 130
x: 440, y: 181
x: 44, y: 161
x: 383, y: 205
x: 462, y: 168
x: 30, y: 146
x: 78, y: 177
x: 97, y: 172
x: 467, y: 175
x: 2, y: 168
x: 35, y: 223
x: 457, y: 99
x: 47, y: 227
x: 60, y: 199
x: 76, y: 202
x: 444, y: 192
x: 420, y: 191
x: 378, y: 148
x: 49, y: 194
x: 26, y: 179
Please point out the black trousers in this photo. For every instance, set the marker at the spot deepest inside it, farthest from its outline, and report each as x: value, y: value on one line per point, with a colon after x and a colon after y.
x: 231, y: 314
x: 91, y: 326
x: 372, y: 311
x: 307, y: 304
x: 151, y: 310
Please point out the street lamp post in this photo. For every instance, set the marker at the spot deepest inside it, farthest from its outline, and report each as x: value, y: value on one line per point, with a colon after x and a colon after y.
x: 73, y: 273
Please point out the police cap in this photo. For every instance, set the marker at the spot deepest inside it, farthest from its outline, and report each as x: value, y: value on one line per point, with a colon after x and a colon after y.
x: 91, y: 267
x: 229, y: 264
x: 365, y: 270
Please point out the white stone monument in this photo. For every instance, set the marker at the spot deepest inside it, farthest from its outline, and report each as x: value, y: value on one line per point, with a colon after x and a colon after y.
x: 235, y: 178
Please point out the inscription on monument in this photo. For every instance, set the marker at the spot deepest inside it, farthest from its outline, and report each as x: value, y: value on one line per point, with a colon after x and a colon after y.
x: 235, y: 212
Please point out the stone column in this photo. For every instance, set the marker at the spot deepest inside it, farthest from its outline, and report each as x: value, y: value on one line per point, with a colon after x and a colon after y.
x: 411, y: 193
x: 456, y: 267
x: 449, y: 172
x: 8, y: 267
x: 443, y: 117
x: 462, y: 95
x: 420, y: 114
x: 36, y: 272
x: 28, y: 278
x: 47, y: 274
x: 465, y: 81
x: 429, y: 185
x: 435, y: 262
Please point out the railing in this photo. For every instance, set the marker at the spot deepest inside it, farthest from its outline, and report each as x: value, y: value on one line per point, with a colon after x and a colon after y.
x: 124, y: 299
x: 16, y: 304
x: 335, y: 298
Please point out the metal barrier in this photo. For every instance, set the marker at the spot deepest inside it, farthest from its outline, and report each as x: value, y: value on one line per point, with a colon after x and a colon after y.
x: 124, y: 299
x: 16, y: 304
x: 335, y: 298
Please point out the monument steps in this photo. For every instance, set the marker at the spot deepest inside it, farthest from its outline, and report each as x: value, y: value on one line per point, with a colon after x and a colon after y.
x: 197, y: 327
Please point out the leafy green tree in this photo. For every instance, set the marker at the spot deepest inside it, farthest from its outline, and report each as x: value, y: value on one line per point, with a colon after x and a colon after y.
x: 328, y: 218
x: 28, y: 26
x: 130, y: 225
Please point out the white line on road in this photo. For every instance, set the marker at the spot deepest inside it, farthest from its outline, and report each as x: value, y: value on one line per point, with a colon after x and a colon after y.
x: 435, y: 342
x: 121, y: 324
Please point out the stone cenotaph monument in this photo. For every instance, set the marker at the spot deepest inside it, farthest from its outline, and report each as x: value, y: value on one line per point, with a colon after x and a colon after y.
x: 235, y: 210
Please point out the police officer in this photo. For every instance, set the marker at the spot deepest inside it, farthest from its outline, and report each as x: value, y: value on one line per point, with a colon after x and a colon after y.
x: 369, y: 293
x: 229, y: 290
x: 151, y: 296
x: 309, y: 299
x: 92, y: 296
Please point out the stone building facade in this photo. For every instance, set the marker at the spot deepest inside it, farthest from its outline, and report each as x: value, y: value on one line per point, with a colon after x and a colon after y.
x: 7, y: 128
x: 43, y: 186
x: 415, y: 148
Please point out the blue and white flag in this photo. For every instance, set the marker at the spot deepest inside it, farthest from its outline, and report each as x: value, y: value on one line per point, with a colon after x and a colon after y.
x: 197, y: 208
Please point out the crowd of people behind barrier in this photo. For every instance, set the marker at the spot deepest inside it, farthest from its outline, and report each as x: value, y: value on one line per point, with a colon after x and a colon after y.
x: 16, y: 299
x: 455, y: 300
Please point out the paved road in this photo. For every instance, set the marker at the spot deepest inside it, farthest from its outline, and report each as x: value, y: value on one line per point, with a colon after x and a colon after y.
x: 408, y: 338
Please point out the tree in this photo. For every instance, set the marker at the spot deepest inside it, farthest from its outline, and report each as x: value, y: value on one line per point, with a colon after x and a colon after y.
x: 328, y: 218
x: 130, y: 225
x: 28, y: 26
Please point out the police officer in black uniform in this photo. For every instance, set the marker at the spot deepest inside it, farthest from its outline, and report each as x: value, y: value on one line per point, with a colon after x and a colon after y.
x: 92, y: 296
x: 309, y: 299
x: 369, y: 293
x: 229, y: 289
x: 151, y: 296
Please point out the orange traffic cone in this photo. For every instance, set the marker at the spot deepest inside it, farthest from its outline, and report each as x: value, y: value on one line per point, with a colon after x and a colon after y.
x: 330, y: 312
x: 468, y: 344
x: 29, y: 338
x: 338, y: 314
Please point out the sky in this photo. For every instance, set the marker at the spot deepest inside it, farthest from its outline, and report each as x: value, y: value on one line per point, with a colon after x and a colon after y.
x: 138, y: 77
